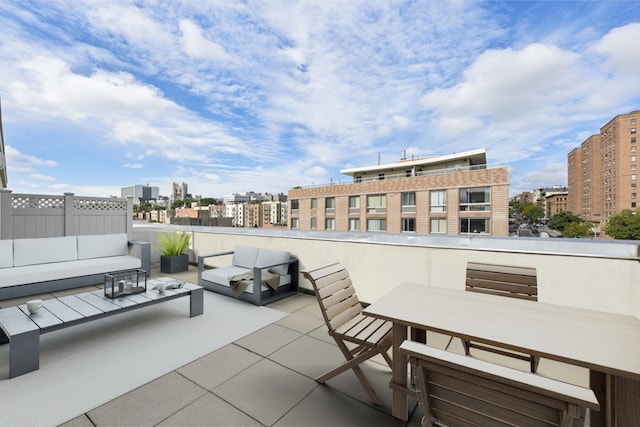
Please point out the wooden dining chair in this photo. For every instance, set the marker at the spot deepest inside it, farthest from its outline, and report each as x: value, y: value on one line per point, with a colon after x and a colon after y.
x: 506, y: 281
x: 455, y: 390
x: 346, y: 323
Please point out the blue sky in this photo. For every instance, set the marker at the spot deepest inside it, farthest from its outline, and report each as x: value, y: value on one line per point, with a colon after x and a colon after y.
x: 262, y: 96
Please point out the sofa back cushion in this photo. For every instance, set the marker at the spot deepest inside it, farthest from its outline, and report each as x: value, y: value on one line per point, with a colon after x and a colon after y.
x: 102, y: 245
x: 270, y: 257
x: 245, y: 256
x: 6, y: 253
x: 44, y: 250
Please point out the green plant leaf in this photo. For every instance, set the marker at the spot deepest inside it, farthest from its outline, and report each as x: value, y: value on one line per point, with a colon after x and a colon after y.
x: 172, y: 243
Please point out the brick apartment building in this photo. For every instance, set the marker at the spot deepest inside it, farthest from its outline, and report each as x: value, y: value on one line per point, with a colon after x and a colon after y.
x: 452, y: 194
x: 603, y: 172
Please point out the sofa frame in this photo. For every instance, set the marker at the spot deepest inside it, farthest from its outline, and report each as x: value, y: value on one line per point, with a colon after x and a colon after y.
x: 259, y: 296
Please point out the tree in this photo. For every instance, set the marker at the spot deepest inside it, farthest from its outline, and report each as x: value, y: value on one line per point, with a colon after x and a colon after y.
x: 578, y: 229
x: 561, y: 220
x: 531, y: 211
x: 624, y: 225
x: 208, y: 201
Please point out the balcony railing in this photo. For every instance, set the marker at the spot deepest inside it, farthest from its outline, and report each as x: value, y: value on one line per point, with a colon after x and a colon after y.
x: 598, y: 275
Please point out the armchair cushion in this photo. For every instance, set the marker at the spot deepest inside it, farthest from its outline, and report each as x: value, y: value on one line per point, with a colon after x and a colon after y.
x: 245, y: 256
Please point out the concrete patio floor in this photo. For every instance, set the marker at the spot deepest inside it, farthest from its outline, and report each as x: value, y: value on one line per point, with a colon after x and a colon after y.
x: 267, y: 379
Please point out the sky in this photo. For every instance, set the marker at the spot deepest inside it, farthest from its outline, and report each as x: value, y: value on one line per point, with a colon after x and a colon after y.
x: 236, y: 96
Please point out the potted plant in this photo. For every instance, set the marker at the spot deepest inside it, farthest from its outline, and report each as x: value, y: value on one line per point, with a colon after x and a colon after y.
x: 173, y: 246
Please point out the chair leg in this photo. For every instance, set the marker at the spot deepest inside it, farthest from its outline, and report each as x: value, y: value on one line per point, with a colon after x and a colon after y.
x: 353, y: 363
x: 535, y: 361
x: 466, y: 346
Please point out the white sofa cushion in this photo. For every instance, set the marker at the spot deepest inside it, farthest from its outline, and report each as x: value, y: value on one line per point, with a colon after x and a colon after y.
x: 270, y: 257
x: 44, y: 250
x: 102, y: 245
x: 6, y: 253
x: 62, y: 270
x: 245, y: 256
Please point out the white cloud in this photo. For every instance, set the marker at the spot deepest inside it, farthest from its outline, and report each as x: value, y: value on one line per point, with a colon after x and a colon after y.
x: 197, y: 45
x: 621, y: 49
x: 133, y: 165
x: 41, y: 177
x: 15, y: 157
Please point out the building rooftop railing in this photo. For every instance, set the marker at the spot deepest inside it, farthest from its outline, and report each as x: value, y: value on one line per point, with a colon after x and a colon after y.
x: 406, y: 175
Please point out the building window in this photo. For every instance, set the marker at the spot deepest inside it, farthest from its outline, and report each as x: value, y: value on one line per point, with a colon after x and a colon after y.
x: 633, y: 204
x: 408, y: 225
x: 634, y: 167
x: 439, y: 201
x: 354, y: 224
x: 354, y: 204
x: 633, y: 131
x: 358, y: 179
x: 376, y: 224
x: 439, y: 225
x: 314, y: 223
x: 294, y: 223
x: 380, y: 176
x: 633, y: 195
x: 295, y: 206
x: 633, y: 177
x: 409, y: 202
x: 633, y: 186
x: 314, y: 203
x: 634, y: 148
x: 329, y: 224
x: 475, y: 199
x: 633, y: 121
x: 330, y: 205
x: 377, y: 204
x: 633, y: 140
x: 475, y: 226
x: 633, y: 158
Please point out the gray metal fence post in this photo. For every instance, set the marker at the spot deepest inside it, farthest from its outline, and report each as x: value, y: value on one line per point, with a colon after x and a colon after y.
x: 6, y: 221
x: 69, y: 215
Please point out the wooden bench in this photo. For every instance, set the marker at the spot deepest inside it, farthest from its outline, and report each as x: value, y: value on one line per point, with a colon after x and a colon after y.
x: 506, y: 281
x: 456, y: 390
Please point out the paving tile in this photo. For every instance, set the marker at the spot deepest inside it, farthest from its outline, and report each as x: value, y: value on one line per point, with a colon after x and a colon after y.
x: 210, y: 410
x: 322, y: 333
x: 328, y: 407
x: 309, y: 356
x: 265, y: 391
x: 301, y: 321
x: 293, y: 303
x: 81, y: 421
x: 149, y: 404
x: 268, y: 339
x: 215, y: 368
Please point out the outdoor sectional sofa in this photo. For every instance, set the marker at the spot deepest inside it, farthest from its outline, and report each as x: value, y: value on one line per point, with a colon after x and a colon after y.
x: 48, y: 264
x: 257, y: 275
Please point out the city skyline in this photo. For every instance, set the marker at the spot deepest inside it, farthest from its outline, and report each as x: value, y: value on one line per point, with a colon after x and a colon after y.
x: 233, y: 97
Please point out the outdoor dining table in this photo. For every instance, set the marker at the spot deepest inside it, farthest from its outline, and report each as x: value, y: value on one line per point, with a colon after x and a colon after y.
x: 607, y: 344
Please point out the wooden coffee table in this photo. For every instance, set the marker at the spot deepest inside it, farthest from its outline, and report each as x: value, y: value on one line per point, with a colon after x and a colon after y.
x: 23, y: 329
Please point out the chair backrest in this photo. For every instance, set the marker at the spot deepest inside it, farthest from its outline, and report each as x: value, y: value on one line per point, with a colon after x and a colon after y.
x: 336, y: 295
x: 502, y: 280
x: 458, y: 391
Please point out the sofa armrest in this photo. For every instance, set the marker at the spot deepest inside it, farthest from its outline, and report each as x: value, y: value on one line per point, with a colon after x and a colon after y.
x: 201, y: 259
x: 293, y: 270
x: 144, y: 254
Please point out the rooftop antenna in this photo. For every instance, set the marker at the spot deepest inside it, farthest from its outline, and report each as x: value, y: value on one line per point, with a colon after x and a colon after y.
x: 404, y: 155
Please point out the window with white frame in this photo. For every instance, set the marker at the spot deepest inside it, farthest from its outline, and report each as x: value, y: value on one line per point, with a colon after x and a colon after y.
x: 376, y: 224
x: 438, y: 225
x: 475, y: 226
x: 475, y: 199
x: 294, y: 223
x: 354, y: 204
x: 314, y: 223
x: 314, y: 203
x: 329, y: 224
x: 409, y: 202
x: 354, y: 224
x: 438, y: 200
x: 295, y: 206
x: 377, y: 203
x: 330, y: 205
